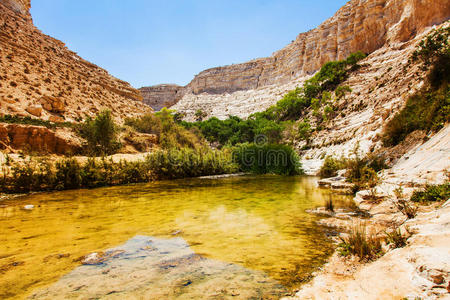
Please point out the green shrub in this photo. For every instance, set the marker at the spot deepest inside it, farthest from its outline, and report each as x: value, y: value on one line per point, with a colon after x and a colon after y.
x: 31, y: 175
x: 330, y: 167
x: 68, y: 174
x: 396, y: 238
x: 432, y: 193
x: 186, y: 162
x: 267, y: 159
x: 428, y: 109
x: 101, y: 134
x: 200, y: 115
x: 434, y: 52
x: 10, y: 119
x: 235, y: 130
x: 171, y: 135
x: 304, y: 130
x: 360, y: 244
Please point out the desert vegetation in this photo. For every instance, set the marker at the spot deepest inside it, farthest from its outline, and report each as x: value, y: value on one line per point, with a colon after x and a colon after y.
x: 315, y: 95
x: 429, y: 108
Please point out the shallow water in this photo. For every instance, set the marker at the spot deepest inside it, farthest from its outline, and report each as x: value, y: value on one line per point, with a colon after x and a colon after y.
x: 258, y: 223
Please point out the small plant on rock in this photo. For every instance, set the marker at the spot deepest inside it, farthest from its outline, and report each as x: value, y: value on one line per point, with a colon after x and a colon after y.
x: 361, y: 244
x: 397, y: 239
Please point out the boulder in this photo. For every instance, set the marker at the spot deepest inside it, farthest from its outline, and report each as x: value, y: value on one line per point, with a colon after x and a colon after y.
x: 35, y: 110
x: 53, y: 104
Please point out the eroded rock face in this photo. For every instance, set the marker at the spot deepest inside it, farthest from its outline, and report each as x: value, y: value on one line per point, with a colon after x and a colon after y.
x: 163, y: 95
x: 35, y: 68
x: 360, y: 25
x: 37, y: 139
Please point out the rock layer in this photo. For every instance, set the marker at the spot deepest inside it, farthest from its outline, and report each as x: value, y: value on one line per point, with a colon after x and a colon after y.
x: 38, y: 139
x: 163, y: 95
x: 34, y: 66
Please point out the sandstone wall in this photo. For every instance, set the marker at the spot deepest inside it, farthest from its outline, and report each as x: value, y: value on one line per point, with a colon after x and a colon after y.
x: 34, y: 66
x: 163, y: 95
x: 366, y: 25
x: 38, y: 139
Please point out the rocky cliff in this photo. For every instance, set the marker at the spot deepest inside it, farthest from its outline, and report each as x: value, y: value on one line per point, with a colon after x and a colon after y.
x: 163, y: 95
x: 365, y: 25
x: 38, y: 71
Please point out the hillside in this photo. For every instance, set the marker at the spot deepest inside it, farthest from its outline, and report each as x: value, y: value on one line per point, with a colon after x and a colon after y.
x: 41, y: 77
x: 367, y: 26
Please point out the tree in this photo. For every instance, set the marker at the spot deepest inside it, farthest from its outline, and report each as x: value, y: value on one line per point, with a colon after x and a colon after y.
x: 101, y: 134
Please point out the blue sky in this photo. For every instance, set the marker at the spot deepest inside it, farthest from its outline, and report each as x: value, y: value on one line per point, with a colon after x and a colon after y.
x: 147, y: 42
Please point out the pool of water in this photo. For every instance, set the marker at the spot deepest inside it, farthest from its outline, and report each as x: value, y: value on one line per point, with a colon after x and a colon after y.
x: 251, y: 225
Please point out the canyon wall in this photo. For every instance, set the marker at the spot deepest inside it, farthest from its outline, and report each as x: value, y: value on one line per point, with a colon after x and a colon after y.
x: 163, y: 95
x: 37, y: 71
x: 360, y: 25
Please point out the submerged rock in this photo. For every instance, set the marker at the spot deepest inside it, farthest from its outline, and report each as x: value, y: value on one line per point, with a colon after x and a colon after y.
x: 154, y: 268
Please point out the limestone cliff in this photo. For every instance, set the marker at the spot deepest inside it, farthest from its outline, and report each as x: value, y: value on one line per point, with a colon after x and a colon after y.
x: 365, y: 25
x: 38, y: 71
x: 163, y: 95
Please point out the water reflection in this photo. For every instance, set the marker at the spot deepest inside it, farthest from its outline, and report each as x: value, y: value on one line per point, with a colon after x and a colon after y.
x: 258, y: 223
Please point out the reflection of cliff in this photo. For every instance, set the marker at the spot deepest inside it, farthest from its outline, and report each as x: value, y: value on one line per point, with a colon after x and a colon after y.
x: 35, y: 67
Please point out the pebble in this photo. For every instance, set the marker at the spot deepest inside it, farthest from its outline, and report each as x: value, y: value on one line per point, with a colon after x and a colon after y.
x: 28, y: 207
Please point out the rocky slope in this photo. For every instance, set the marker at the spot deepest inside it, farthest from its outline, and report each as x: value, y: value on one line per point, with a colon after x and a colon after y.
x: 366, y: 25
x: 163, y: 95
x: 40, y: 77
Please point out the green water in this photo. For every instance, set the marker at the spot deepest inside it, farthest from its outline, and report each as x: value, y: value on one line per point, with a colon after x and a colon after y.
x: 258, y: 223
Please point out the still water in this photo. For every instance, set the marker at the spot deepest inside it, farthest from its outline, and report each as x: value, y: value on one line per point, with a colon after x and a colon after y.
x: 245, y: 237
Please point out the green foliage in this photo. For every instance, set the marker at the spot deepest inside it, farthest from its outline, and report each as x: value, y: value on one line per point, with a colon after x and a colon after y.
x: 342, y: 90
x: 396, y: 239
x: 304, y: 130
x: 360, y: 244
x: 68, y: 174
x: 429, y: 109
x: 171, y: 135
x: 272, y: 122
x: 407, y: 209
x: 186, y: 162
x: 267, y: 159
x: 200, y: 115
x: 432, y: 193
x: 10, y: 119
x: 291, y: 107
x: 330, y: 167
x: 235, y: 130
x: 38, y: 175
x: 354, y: 58
x: 101, y: 134
x: 30, y: 175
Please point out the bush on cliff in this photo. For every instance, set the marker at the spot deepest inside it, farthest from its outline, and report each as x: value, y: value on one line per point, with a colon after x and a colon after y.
x: 428, y: 109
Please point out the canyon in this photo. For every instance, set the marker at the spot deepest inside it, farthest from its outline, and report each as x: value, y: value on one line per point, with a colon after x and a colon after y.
x: 360, y: 25
x: 42, y: 79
